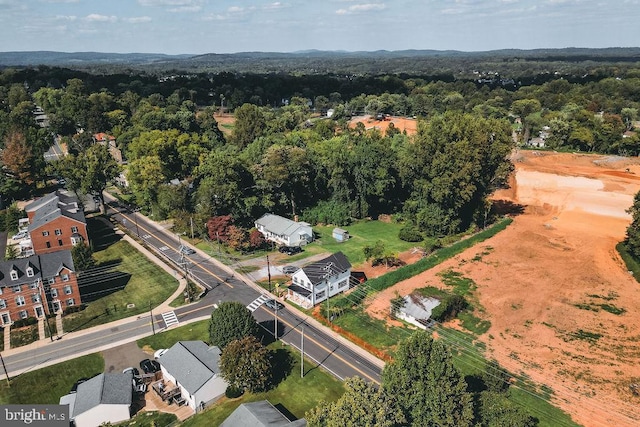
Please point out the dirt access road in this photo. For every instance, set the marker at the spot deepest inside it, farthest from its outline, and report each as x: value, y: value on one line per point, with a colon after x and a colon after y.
x: 543, y: 282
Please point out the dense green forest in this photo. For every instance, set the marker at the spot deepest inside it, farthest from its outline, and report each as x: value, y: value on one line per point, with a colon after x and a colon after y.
x: 285, y: 155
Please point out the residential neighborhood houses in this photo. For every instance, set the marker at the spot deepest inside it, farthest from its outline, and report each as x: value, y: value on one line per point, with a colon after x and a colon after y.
x: 284, y: 231
x: 192, y: 369
x: 105, y: 398
x: 36, y: 286
x: 320, y: 280
x: 56, y: 222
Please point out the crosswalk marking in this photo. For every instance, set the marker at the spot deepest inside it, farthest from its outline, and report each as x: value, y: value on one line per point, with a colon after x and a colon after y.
x: 170, y: 318
x: 146, y: 236
x: 164, y: 248
x: 257, y: 302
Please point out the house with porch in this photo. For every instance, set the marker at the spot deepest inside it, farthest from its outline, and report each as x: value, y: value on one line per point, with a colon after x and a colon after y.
x: 105, y: 398
x: 191, y: 372
x: 36, y: 286
x: 320, y: 280
x: 284, y: 231
x: 56, y: 222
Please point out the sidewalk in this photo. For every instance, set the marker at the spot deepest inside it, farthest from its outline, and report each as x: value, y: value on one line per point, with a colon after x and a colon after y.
x: 162, y: 308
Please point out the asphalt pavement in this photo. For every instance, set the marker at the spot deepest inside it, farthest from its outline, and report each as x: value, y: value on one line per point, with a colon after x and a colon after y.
x: 220, y: 283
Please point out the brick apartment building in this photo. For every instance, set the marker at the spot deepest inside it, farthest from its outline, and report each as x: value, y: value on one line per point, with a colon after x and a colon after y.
x: 37, y: 285
x: 56, y: 222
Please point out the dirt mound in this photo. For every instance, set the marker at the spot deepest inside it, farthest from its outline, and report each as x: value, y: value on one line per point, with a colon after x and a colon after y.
x: 563, y: 309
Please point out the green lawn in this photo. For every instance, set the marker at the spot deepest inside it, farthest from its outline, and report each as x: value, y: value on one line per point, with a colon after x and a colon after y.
x: 124, y: 277
x: 190, y: 332
x: 47, y: 385
x: 363, y: 233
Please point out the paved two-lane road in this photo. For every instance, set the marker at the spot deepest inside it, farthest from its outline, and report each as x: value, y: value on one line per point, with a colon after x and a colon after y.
x: 321, y: 345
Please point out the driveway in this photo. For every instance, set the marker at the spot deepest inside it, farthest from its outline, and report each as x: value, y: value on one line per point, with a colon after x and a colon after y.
x: 118, y: 358
x: 276, y: 262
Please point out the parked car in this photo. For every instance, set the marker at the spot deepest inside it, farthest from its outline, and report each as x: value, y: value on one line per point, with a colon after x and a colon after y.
x: 133, y: 370
x: 290, y: 269
x: 186, y: 250
x: 273, y: 304
x: 149, y: 366
x: 290, y: 250
x: 19, y: 236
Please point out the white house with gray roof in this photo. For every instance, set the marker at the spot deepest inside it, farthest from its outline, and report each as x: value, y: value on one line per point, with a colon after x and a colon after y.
x: 194, y: 367
x: 284, y: 231
x: 320, y: 280
x: 105, y: 398
x: 260, y: 414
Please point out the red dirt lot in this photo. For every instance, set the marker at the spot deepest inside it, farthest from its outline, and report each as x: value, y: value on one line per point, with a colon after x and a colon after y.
x: 549, y: 282
x: 400, y: 123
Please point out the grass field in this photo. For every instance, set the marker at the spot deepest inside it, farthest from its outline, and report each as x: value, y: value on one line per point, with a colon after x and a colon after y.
x: 123, y: 277
x: 47, y: 385
x: 363, y: 233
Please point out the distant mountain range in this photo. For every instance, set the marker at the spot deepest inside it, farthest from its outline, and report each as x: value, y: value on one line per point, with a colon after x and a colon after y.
x: 309, y: 60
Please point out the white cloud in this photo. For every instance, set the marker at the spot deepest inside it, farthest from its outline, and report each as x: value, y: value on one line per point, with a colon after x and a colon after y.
x: 137, y: 19
x: 235, y: 9
x: 274, y: 5
x: 66, y: 17
x: 60, y: 1
x: 361, y: 8
x: 192, y: 8
x: 94, y: 17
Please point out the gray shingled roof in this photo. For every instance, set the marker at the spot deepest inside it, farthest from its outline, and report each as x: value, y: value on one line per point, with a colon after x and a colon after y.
x: 52, y: 206
x: 333, y: 265
x: 44, y: 265
x: 259, y: 414
x: 191, y: 363
x: 104, y: 389
x: 279, y: 225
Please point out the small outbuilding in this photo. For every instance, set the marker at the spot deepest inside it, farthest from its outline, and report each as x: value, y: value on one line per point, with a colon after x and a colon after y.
x: 340, y: 234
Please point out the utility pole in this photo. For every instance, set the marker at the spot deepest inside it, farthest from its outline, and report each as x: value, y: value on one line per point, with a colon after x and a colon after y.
x: 153, y: 326
x: 191, y: 219
x: 275, y: 328
x: 135, y: 217
x: 6, y: 374
x: 269, y: 273
x: 302, y: 354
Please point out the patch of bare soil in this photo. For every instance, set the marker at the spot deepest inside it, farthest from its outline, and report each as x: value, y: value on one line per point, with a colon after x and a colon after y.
x: 564, y: 310
x: 401, y: 123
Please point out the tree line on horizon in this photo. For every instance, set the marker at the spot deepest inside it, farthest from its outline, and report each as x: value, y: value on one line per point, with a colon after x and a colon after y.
x: 285, y: 155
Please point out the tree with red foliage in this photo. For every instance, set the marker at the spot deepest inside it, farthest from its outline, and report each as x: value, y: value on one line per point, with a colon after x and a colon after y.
x: 218, y: 227
x: 256, y: 239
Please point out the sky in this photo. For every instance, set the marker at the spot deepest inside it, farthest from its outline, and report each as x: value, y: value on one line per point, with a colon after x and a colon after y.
x: 228, y: 26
